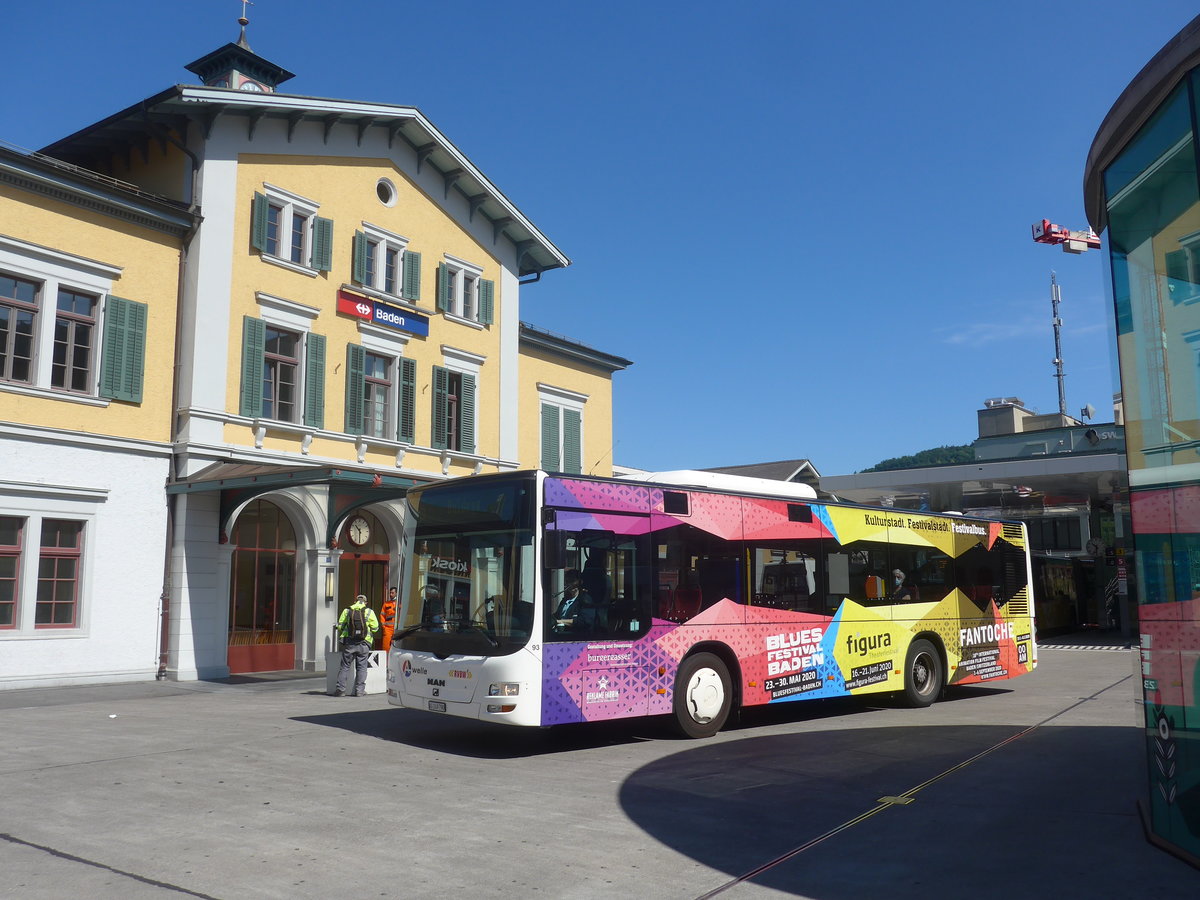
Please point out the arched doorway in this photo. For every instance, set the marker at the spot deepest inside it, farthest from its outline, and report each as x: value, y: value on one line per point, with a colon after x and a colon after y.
x: 262, y: 591
x: 365, y: 564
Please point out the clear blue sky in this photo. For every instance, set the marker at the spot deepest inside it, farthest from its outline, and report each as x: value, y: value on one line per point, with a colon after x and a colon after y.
x: 808, y: 226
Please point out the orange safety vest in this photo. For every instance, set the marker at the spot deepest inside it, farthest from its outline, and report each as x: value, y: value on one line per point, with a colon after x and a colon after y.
x: 389, y: 622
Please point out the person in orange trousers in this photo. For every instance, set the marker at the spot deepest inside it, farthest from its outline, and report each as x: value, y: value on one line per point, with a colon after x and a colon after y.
x: 388, y: 619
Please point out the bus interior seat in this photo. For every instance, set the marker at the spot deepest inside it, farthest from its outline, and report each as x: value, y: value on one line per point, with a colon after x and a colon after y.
x: 687, y: 603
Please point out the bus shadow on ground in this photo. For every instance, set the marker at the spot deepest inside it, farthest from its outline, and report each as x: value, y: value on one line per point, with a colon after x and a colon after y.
x: 487, y: 740
x: 904, y: 811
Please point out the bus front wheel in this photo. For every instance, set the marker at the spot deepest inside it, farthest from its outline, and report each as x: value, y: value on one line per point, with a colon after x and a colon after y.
x: 702, y: 695
x: 923, y: 676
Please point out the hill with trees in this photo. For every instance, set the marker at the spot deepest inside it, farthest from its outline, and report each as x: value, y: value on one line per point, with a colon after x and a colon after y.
x: 938, y: 456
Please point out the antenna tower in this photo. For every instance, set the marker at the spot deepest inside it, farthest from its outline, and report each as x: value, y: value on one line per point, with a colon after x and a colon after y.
x: 1055, y: 298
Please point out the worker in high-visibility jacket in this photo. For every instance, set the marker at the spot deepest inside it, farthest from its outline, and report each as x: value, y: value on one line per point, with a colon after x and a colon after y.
x: 388, y: 619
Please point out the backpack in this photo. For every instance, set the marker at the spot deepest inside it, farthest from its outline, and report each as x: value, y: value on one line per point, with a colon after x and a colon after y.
x: 356, y: 625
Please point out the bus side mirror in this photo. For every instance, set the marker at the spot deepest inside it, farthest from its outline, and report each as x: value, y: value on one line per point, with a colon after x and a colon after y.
x: 555, y: 550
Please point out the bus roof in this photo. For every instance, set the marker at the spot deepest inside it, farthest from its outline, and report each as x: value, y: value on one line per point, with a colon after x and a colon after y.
x: 738, y: 484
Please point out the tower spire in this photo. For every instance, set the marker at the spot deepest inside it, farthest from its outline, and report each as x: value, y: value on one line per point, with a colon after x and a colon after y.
x: 238, y: 67
x: 244, y: 21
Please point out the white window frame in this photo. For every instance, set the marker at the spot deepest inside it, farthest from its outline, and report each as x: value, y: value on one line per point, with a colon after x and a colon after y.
x: 467, y: 363
x: 289, y: 315
x: 384, y: 240
x: 34, y: 503
x: 392, y: 344
x: 290, y: 204
x: 52, y: 270
x: 384, y: 342
x: 462, y: 271
x: 561, y: 398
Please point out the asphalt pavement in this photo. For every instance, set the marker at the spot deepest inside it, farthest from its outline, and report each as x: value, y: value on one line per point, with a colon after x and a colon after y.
x: 267, y: 787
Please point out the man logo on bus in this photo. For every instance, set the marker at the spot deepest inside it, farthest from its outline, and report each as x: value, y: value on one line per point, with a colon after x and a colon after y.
x: 407, y: 669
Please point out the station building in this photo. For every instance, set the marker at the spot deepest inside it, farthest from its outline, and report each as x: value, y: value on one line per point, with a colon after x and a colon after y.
x: 1142, y: 192
x: 1063, y: 477
x: 334, y: 317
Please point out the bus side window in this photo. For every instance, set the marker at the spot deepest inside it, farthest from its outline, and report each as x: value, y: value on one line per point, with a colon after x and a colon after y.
x: 837, y: 573
x: 720, y: 578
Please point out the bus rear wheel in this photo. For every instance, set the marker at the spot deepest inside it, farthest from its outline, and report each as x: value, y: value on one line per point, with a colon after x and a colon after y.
x: 702, y: 695
x: 923, y: 677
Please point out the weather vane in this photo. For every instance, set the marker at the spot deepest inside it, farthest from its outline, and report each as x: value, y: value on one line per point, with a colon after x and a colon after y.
x: 243, y: 20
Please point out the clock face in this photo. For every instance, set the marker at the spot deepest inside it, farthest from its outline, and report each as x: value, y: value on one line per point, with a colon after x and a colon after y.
x: 359, y: 531
x: 251, y: 86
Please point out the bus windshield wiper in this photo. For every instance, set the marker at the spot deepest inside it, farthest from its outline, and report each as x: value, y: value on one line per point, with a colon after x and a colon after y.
x: 424, y: 623
x: 481, y: 629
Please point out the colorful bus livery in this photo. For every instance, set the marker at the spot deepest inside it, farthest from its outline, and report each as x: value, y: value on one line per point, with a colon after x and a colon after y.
x: 694, y: 601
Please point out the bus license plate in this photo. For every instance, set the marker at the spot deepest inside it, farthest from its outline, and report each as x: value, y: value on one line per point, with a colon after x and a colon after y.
x: 437, y: 706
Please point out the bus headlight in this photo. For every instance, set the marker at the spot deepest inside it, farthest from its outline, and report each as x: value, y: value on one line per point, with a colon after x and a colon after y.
x: 504, y: 689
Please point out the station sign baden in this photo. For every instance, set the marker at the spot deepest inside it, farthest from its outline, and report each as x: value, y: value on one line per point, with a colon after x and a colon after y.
x: 363, y: 307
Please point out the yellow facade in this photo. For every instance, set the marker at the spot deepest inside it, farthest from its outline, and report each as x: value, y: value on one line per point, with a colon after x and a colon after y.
x: 148, y: 261
x: 346, y: 191
x: 542, y: 367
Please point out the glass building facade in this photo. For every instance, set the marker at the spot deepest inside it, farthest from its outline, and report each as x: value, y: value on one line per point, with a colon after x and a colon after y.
x: 1143, y: 187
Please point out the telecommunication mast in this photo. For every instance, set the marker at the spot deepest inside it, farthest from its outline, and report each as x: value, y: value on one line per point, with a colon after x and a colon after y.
x: 1045, y: 232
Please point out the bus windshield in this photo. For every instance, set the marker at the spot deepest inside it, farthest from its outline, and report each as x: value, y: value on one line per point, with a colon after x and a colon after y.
x: 469, y: 587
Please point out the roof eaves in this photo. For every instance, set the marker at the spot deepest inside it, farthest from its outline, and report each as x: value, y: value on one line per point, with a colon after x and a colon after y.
x: 554, y: 343
x: 282, y: 103
x: 51, y: 177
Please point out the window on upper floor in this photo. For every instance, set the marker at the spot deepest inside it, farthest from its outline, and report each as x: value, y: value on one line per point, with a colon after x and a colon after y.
x: 453, y: 410
x: 74, y: 342
x: 562, y: 438
x: 383, y: 262
x: 281, y: 370
x: 61, y: 331
x: 286, y: 229
x: 380, y: 394
x: 283, y: 373
x: 18, y: 316
x: 463, y: 292
x: 377, y: 394
x: 49, y: 568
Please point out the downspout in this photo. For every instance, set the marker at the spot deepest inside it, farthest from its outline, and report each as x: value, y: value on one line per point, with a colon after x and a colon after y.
x: 164, y: 600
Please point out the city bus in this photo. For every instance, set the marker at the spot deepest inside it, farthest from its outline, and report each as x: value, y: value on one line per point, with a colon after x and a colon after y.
x: 693, y: 600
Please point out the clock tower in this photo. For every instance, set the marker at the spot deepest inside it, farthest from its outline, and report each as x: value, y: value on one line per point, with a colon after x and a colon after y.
x: 238, y: 67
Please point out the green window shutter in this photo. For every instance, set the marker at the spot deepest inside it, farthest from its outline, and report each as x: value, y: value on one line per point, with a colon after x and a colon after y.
x: 466, y: 415
x: 359, y: 273
x: 258, y: 222
x: 441, y: 387
x: 443, y: 287
x: 356, y: 360
x: 550, y: 460
x: 572, y: 446
x: 412, y: 275
x: 314, y: 381
x: 254, y: 339
x: 322, y: 249
x: 122, y: 368
x: 487, y: 300
x: 407, y: 376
